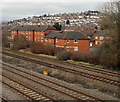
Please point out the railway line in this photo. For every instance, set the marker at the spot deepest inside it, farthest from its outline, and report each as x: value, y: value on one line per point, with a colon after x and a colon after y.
x: 73, y: 71
x: 26, y: 91
x: 3, y: 99
x: 77, y: 66
x: 75, y: 94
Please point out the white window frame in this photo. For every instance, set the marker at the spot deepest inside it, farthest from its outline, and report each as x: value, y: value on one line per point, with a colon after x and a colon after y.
x: 41, y: 39
x: 96, y: 42
x: 75, y: 40
x: 68, y: 41
x: 35, y: 39
x: 75, y: 48
x: 56, y: 40
x: 96, y: 37
x: 101, y: 37
x: 67, y: 48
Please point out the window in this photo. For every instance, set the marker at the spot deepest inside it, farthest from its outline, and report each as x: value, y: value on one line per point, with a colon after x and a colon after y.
x: 56, y: 40
x: 101, y: 38
x: 38, y: 38
x: 96, y: 42
x: 67, y: 48
x: 75, y: 41
x: 39, y: 33
x: 46, y: 39
x: 91, y: 44
x: 107, y: 37
x: 35, y: 38
x: 42, y: 33
x: 41, y: 39
x: 75, y: 48
x: 96, y: 37
x: 12, y: 36
x: 67, y: 41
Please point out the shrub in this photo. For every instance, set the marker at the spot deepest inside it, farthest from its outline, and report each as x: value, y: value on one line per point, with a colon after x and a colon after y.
x: 50, y: 50
x: 64, y: 55
x: 37, y: 48
x: 5, y: 42
x: 19, y: 42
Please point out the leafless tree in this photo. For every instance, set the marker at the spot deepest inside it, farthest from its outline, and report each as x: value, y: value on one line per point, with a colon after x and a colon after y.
x: 110, y: 53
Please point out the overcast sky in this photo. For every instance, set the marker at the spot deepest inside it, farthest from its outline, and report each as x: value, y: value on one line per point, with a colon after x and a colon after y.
x: 13, y: 9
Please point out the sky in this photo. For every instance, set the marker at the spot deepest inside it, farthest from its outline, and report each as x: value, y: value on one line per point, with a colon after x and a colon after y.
x: 14, y: 9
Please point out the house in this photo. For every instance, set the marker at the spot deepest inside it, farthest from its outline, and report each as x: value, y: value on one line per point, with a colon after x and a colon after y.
x: 69, y: 40
x: 33, y: 33
x: 101, y: 36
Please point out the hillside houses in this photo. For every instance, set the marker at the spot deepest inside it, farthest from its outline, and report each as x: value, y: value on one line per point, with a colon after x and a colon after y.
x: 76, y: 19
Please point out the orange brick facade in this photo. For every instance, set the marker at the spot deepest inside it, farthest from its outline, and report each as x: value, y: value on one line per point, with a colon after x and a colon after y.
x: 69, y: 45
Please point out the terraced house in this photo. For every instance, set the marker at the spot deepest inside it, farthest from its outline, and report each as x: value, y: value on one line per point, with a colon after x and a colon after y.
x: 69, y: 40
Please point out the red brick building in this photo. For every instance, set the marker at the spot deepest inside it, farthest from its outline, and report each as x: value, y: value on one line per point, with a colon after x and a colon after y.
x: 33, y: 33
x: 101, y: 36
x: 69, y: 40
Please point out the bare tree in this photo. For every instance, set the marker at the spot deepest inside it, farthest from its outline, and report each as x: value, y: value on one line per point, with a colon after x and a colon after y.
x: 110, y: 52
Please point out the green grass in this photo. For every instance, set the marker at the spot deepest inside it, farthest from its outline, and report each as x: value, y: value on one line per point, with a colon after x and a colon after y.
x: 70, y: 61
x: 85, y: 63
x: 43, y: 55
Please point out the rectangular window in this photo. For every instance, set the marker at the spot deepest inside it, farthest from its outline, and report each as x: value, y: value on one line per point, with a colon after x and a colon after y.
x: 101, y: 38
x: 12, y: 37
x: 56, y: 40
x: 35, y: 38
x: 75, y: 48
x: 75, y: 41
x: 96, y: 37
x: 68, y: 41
x: 96, y: 42
x: 46, y: 39
x: 41, y: 39
x: 38, y: 33
x: 67, y: 48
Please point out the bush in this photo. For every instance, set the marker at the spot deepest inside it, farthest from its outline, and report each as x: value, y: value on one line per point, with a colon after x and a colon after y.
x: 50, y: 50
x: 37, y: 48
x: 40, y: 48
x: 5, y: 42
x: 19, y: 42
x: 64, y: 55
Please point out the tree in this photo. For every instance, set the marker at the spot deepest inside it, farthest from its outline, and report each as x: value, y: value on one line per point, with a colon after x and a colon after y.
x: 5, y: 41
x: 67, y: 22
x: 109, y: 52
x: 19, y: 42
x: 57, y: 26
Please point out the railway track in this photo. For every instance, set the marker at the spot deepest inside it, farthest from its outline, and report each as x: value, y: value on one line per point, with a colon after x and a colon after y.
x: 80, y: 66
x: 26, y: 91
x: 83, y: 74
x: 75, y: 94
x: 3, y: 99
